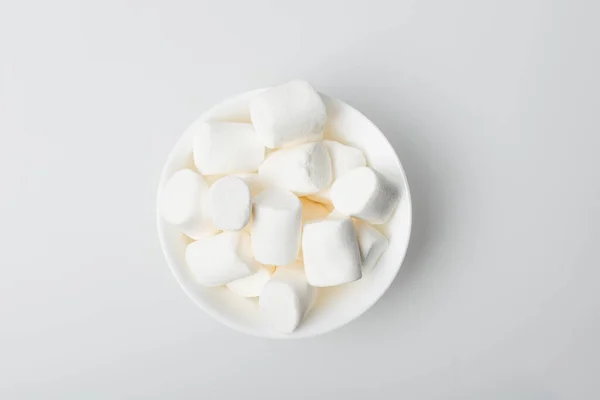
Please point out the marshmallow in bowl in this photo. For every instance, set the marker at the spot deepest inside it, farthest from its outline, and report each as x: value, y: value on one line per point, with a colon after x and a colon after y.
x: 252, y: 285
x: 312, y: 211
x: 221, y: 259
x: 302, y: 169
x: 288, y: 114
x: 371, y: 242
x: 330, y: 252
x: 253, y: 182
x: 183, y: 204
x: 227, y: 147
x: 230, y: 203
x: 366, y: 194
x: 286, y: 298
x: 276, y: 227
x: 343, y: 159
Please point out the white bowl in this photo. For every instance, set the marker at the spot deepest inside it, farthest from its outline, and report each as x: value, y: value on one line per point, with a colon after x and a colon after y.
x: 335, y: 306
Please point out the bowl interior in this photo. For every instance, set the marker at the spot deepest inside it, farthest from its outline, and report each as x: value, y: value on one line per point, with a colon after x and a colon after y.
x: 335, y: 306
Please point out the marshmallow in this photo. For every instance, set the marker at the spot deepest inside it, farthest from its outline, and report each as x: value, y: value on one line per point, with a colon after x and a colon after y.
x: 230, y: 203
x: 253, y: 285
x: 312, y: 210
x: 302, y: 169
x: 330, y: 252
x: 222, y: 148
x: 286, y: 299
x: 288, y: 114
x: 183, y: 203
x: 254, y: 183
x: 276, y: 227
x: 221, y: 259
x: 366, y: 194
x: 343, y: 159
x: 372, y: 244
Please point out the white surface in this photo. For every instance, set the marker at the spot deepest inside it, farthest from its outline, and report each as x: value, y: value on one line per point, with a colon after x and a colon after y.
x: 492, y: 108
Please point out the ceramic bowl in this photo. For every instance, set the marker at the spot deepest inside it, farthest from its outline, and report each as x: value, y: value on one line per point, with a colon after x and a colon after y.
x: 335, y: 306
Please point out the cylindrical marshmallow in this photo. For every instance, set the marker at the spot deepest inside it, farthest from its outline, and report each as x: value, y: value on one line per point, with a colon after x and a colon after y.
x: 221, y: 259
x: 254, y: 183
x: 276, y: 227
x: 302, y: 169
x: 252, y: 285
x: 343, y: 159
x: 222, y: 148
x: 286, y: 299
x: 230, y: 203
x: 288, y: 114
x: 366, y: 194
x: 371, y: 242
x: 312, y: 211
x: 330, y: 252
x: 183, y: 203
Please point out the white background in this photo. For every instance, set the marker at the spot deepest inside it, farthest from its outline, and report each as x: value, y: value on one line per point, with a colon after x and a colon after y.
x: 493, y: 107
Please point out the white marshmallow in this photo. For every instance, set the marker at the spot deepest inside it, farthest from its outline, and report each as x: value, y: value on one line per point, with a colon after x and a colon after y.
x: 222, y: 148
x: 288, y: 114
x: 343, y: 159
x: 330, y: 252
x: 372, y: 244
x: 312, y: 210
x: 366, y: 194
x: 276, y: 227
x: 302, y: 169
x: 254, y: 183
x: 253, y: 285
x: 221, y: 259
x: 230, y: 203
x: 183, y: 203
x: 286, y: 299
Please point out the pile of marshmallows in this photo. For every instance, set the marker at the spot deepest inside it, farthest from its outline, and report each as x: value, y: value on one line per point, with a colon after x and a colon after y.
x: 301, y: 222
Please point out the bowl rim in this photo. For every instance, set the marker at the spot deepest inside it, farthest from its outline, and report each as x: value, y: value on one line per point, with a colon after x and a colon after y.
x: 240, y: 327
